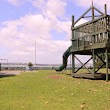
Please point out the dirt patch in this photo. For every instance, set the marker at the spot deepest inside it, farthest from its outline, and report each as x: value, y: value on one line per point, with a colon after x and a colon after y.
x: 55, y: 77
x: 10, y: 72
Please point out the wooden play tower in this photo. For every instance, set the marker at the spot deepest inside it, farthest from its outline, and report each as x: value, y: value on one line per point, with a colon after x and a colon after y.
x: 91, y: 38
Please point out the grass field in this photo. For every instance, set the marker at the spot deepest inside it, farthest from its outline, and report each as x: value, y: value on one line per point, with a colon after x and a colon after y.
x: 48, y: 90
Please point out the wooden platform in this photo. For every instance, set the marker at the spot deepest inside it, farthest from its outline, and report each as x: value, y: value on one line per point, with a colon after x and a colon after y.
x: 89, y: 75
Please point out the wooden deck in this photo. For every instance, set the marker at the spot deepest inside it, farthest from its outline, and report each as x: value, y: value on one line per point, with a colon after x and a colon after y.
x: 94, y: 34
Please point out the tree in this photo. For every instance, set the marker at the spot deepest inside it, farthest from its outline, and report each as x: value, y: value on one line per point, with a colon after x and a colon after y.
x: 30, y: 65
x: 100, y: 62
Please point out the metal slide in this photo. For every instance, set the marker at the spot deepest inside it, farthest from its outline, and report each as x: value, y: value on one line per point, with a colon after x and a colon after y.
x: 65, y: 58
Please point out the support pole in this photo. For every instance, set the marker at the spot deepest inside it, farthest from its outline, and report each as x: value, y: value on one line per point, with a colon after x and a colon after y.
x: 73, y: 56
x: 107, y: 65
x: 83, y: 15
x: 70, y: 65
x: 92, y: 12
x: 105, y: 9
x: 35, y: 54
x: 73, y: 63
x: 93, y: 53
x: 72, y: 27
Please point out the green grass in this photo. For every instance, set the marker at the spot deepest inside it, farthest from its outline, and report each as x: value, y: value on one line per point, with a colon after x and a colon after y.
x: 48, y: 90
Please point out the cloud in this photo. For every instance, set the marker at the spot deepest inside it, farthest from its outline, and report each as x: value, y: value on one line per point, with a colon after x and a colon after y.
x: 51, y: 8
x: 19, y: 36
x: 15, y: 2
x: 88, y: 3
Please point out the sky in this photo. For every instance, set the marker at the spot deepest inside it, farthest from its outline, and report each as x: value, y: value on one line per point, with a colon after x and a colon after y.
x: 46, y: 22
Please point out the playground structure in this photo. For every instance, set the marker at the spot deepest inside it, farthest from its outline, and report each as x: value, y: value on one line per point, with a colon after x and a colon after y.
x: 90, y: 38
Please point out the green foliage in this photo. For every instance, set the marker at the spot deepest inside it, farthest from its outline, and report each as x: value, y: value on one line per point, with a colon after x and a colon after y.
x: 44, y: 90
x: 30, y: 64
x: 99, y: 62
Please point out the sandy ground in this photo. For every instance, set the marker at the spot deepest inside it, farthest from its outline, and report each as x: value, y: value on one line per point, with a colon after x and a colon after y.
x: 10, y: 72
x: 13, y: 72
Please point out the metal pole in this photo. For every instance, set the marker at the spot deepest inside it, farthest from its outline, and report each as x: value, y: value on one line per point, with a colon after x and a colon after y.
x: 7, y: 64
x: 107, y: 65
x: 35, y: 54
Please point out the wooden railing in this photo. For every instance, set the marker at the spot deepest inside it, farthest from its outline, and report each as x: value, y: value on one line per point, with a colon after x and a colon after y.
x: 91, y: 33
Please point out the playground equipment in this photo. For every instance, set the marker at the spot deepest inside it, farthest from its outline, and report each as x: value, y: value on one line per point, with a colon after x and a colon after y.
x: 90, y: 38
x: 65, y: 58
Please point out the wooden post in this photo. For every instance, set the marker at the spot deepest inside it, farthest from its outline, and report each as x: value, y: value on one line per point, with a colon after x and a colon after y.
x: 106, y: 18
x: 73, y: 58
x: 106, y: 64
x: 105, y: 9
x: 83, y: 15
x: 93, y: 53
x: 73, y: 63
x: 72, y: 26
x: 92, y: 12
x: 70, y: 65
x: 93, y: 30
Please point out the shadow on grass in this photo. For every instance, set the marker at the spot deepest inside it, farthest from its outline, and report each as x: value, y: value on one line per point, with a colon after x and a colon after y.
x: 97, y: 76
x: 103, y: 77
x: 2, y: 75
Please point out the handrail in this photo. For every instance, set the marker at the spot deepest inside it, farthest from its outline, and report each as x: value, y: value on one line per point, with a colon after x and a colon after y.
x: 89, y: 22
x: 90, y: 40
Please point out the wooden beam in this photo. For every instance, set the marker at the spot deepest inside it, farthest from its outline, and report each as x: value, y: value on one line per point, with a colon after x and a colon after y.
x: 100, y: 58
x: 105, y: 9
x: 71, y: 27
x: 91, y: 16
x: 98, y: 11
x: 83, y: 15
x: 73, y: 21
x: 73, y: 58
x: 92, y: 12
x: 103, y: 16
x: 73, y: 63
x: 106, y: 51
x: 93, y: 54
x: 82, y: 64
x: 99, y: 68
